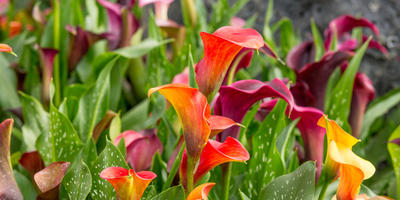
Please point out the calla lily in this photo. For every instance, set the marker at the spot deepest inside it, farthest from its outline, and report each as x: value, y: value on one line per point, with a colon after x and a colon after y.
x: 8, y: 186
x: 47, y: 56
x: 200, y: 192
x: 32, y: 162
x: 341, y: 160
x: 316, y: 75
x: 344, y: 24
x: 49, y: 179
x: 141, y: 148
x: 4, y: 6
x: 80, y: 43
x: 220, y: 48
x: 122, y: 24
x: 128, y: 184
x: 236, y: 99
x: 363, y: 93
x: 103, y: 124
x: 182, y: 78
x: 237, y: 22
x: 214, y: 154
x: 301, y: 55
x: 5, y: 48
x: 194, y: 114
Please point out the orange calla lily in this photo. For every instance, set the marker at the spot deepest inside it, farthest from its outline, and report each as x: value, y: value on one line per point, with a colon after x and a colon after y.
x: 200, y: 192
x: 128, y: 184
x: 220, y: 48
x: 341, y: 160
x: 6, y: 48
x: 195, y: 116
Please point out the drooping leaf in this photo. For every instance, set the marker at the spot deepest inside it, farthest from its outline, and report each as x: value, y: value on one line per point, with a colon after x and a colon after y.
x: 299, y: 184
x: 140, y: 49
x: 172, y: 193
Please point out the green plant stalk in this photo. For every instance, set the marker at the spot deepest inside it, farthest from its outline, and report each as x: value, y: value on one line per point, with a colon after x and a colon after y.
x: 226, y: 176
x: 137, y: 74
x: 189, y: 174
x: 323, y: 191
x: 235, y: 64
x: 190, y: 9
x: 174, y: 169
x: 56, y: 67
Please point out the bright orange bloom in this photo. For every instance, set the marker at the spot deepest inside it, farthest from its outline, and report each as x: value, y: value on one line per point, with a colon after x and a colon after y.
x: 5, y: 48
x: 128, y: 184
x: 341, y: 160
x: 200, y: 192
x: 194, y: 114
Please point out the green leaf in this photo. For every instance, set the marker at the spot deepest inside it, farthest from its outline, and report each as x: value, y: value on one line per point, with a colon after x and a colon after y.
x: 110, y: 157
x: 172, y: 193
x: 341, y: 95
x: 37, y: 121
x: 318, y: 42
x: 266, y: 163
x: 378, y: 108
x: 135, y: 117
x: 283, y: 139
x: 299, y: 184
x: 158, y: 167
x: 24, y: 183
x: 287, y: 36
x: 394, y: 150
x: 332, y: 81
x: 64, y: 139
x: 115, y: 127
x: 8, y: 97
x: 140, y: 49
x: 192, y: 73
x: 78, y: 181
x: 94, y: 104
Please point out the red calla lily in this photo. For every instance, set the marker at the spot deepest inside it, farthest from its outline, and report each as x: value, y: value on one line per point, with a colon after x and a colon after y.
x: 5, y: 48
x: 220, y: 48
x: 8, y: 186
x: 214, y: 154
x: 200, y: 192
x: 141, y: 148
x: 32, y: 162
x: 128, y: 184
x: 49, y: 179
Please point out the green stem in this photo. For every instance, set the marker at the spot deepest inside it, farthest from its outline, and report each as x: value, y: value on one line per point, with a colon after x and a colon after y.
x: 235, y: 64
x: 56, y: 68
x: 174, y: 168
x: 189, y: 175
x: 226, y: 175
x: 323, y: 191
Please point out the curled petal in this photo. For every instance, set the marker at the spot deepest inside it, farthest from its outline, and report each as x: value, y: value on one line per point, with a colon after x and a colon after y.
x: 363, y: 93
x: 32, y: 162
x: 5, y: 48
x: 50, y: 177
x: 182, y: 78
x: 128, y: 184
x: 237, y: 22
x: 317, y: 74
x: 301, y: 55
x: 214, y: 154
x: 236, y: 99
x: 8, y: 186
x: 302, y: 94
x: 220, y: 48
x: 200, y: 192
x: 47, y: 56
x: 219, y: 124
x: 344, y: 24
x: 193, y: 111
x: 349, y: 184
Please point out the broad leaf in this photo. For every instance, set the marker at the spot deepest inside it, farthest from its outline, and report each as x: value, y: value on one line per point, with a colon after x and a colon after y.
x: 78, y: 181
x: 140, y: 49
x: 299, y: 184
x: 172, y: 193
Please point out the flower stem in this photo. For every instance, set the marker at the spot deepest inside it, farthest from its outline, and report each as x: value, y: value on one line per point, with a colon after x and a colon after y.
x: 323, y: 191
x: 190, y: 169
x: 226, y: 176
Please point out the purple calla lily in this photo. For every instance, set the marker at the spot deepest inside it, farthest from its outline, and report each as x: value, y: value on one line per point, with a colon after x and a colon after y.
x: 236, y: 99
x: 121, y: 24
x: 396, y: 141
x: 47, y: 56
x: 48, y: 180
x: 141, y: 148
x: 80, y: 43
x: 8, y: 186
x: 301, y: 55
x: 363, y: 93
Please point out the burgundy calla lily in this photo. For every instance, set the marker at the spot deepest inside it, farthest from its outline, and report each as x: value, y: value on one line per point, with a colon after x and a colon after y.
x: 220, y: 48
x: 122, y: 24
x: 141, y: 148
x: 47, y: 56
x: 363, y: 93
x: 32, y: 162
x: 316, y: 75
x: 236, y: 99
x: 49, y: 179
x: 396, y: 141
x: 214, y: 154
x: 8, y: 186
x: 80, y: 43
x: 301, y: 55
